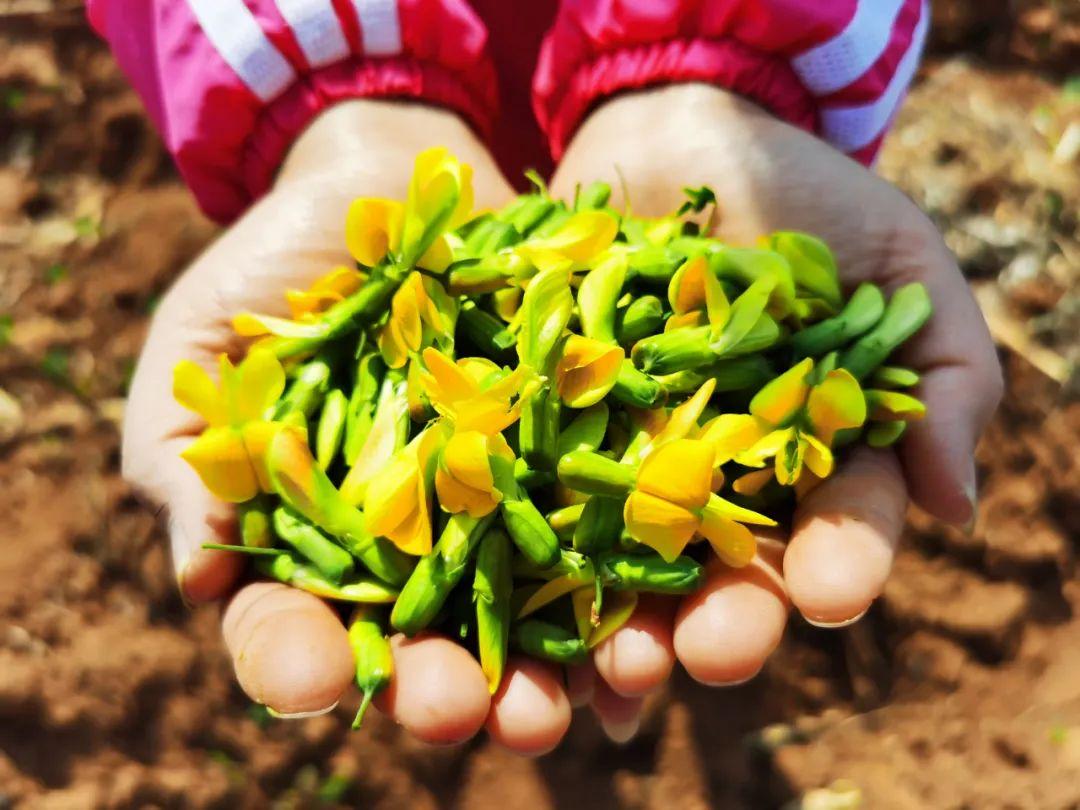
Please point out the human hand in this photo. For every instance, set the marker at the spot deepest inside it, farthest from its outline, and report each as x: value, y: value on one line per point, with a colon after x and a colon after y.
x: 289, y: 649
x: 770, y: 176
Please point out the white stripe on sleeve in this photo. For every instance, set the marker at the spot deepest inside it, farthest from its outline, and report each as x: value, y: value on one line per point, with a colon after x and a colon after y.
x: 317, y: 29
x: 838, y: 62
x: 851, y: 128
x: 380, y: 26
x: 235, y: 33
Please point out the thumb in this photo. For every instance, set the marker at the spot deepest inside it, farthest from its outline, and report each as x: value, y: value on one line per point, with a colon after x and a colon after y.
x: 156, y: 430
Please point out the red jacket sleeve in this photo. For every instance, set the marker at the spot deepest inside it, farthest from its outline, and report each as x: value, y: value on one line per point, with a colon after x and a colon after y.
x: 839, y: 68
x: 230, y: 83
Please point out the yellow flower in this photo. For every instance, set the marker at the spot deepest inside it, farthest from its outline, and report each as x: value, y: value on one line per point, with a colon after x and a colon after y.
x: 672, y: 501
x: 373, y: 229
x: 463, y: 479
x: 304, y: 306
x: 681, y: 423
x: 587, y: 370
x: 477, y: 400
x: 792, y: 421
x: 420, y: 312
x: 583, y: 237
x: 398, y: 502
x: 696, y: 296
x: 474, y: 393
x: 418, y: 232
x: 337, y: 285
x: 229, y: 456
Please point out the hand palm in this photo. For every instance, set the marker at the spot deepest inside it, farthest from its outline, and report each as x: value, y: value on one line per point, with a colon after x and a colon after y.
x: 291, y: 651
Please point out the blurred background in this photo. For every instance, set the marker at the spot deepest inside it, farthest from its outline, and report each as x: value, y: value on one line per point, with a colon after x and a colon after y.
x: 960, y: 689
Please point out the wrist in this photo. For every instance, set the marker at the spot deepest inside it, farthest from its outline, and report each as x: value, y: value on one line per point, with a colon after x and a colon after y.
x: 372, y: 144
x: 767, y: 174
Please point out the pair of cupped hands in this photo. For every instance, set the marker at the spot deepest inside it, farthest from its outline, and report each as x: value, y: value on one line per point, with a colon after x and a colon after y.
x: 291, y: 651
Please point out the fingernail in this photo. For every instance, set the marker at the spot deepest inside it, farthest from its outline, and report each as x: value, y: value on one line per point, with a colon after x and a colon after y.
x: 181, y: 556
x: 836, y: 625
x: 971, y: 492
x: 180, y: 587
x: 727, y: 684
x: 621, y: 732
x: 301, y: 715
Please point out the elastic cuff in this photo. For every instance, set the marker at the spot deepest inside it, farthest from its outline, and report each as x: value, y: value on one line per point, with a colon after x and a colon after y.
x: 763, y: 78
x: 283, y: 120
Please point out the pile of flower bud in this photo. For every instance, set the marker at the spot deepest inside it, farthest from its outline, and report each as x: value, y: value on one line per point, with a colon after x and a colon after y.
x: 505, y: 425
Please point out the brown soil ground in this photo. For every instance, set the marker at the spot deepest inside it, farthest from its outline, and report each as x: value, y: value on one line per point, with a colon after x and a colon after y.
x: 959, y: 690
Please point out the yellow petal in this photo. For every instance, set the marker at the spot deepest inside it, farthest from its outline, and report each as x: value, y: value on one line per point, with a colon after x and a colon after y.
x: 445, y: 382
x: 326, y: 290
x: 414, y: 394
x: 686, y: 290
x: 252, y: 324
x: 304, y: 303
x: 413, y: 535
x: 835, y: 404
x: 619, y: 606
x: 465, y: 457
x: 257, y: 437
x: 550, y: 591
x: 456, y: 496
x: 486, y: 415
x: 343, y: 280
x: 733, y: 433
x: 295, y: 469
x: 818, y: 458
x: 765, y: 448
x: 437, y: 309
x: 733, y: 543
x: 392, y: 494
x: 781, y: 398
x: 680, y: 472
x: 379, y: 447
x: 437, y: 257
x: 546, y: 260
x: 584, y: 235
x: 683, y: 420
x: 373, y: 229
x: 753, y: 482
x: 405, y: 310
x: 717, y: 506
x: 587, y: 370
x: 507, y: 302
x: 788, y: 463
x: 659, y: 524
x: 893, y: 405
x: 684, y: 417
x: 193, y: 388
x: 260, y: 382
x: 687, y: 320
x: 391, y: 347
x: 438, y: 178
x: 583, y: 601
x: 397, y: 503
x: 222, y: 462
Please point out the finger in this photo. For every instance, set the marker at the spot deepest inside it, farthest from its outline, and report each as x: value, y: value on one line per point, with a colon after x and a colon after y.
x: 289, y: 649
x: 961, y: 382
x: 580, y: 683
x: 438, y: 693
x: 844, y: 539
x: 619, y: 716
x: 639, y: 656
x: 725, y: 631
x: 530, y: 712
